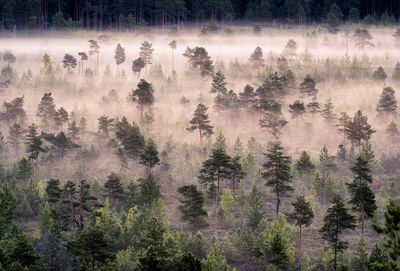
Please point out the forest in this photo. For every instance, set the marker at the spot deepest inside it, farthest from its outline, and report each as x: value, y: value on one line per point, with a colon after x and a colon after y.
x: 128, y: 15
x: 211, y: 148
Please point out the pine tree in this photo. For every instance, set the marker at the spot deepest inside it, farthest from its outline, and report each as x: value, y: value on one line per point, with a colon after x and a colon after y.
x: 53, y: 191
x: 379, y: 74
x: 146, y: 52
x: 302, y: 216
x: 13, y: 111
x: 47, y: 110
x: 61, y: 117
x: 201, y: 122
x: 119, y: 55
x: 143, y: 95
x: 274, y: 123
x: 199, y: 58
x: 94, y: 49
x: 362, y: 38
x: 237, y: 173
x: 247, y: 98
x: 396, y: 72
x: 336, y: 220
x: 172, y: 45
x: 73, y: 130
x: 277, y: 173
x: 387, y: 102
x: 149, y: 190
x: 149, y: 157
x: 334, y: 19
x: 137, y: 65
x: 387, y: 258
x: 393, y: 132
x: 16, y: 135
x: 256, y: 59
x: 307, y: 87
x: 344, y: 120
x: 69, y: 62
x: 304, y: 165
x: 297, y: 109
x: 290, y: 48
x: 327, y: 111
x: 326, y: 165
x: 114, y: 188
x: 396, y: 36
x: 8, y: 203
x: 216, y: 168
x: 360, y: 259
x: 362, y: 198
x: 358, y: 129
x: 84, y: 57
x: 34, y: 143
x: 219, y: 84
x: 255, y: 213
x: 192, y: 206
x: 105, y: 125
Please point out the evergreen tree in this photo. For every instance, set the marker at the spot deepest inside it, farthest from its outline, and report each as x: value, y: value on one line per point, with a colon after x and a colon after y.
x: 307, y: 87
x: 326, y: 166
x: 69, y: 62
x: 172, y: 45
x: 396, y: 36
x: 327, y: 111
x: 393, y: 132
x: 61, y: 117
x: 146, y: 53
x: 304, y: 165
x: 143, y: 95
x: 114, y: 188
x: 149, y: 190
x: 277, y: 173
x: 336, y: 220
x: 199, y: 59
x: 53, y: 191
x: 201, y: 122
x: 15, y: 136
x: 274, y: 123
x: 387, y: 102
x: 387, y: 257
x: 297, y: 109
x: 362, y: 198
x: 8, y: 203
x: 360, y: 259
x: 379, y: 74
x: 290, y: 48
x: 215, y: 168
x: 192, y: 206
x: 344, y: 120
x: 73, y: 130
x: 302, y: 216
x: 396, y: 72
x: 237, y: 172
x: 104, y: 125
x: 362, y: 38
x: 84, y: 57
x: 149, y: 157
x: 247, y: 98
x: 334, y: 19
x: 219, y: 84
x: 47, y: 110
x: 256, y: 59
x: 34, y: 143
x: 137, y: 65
x: 119, y: 55
x: 13, y: 111
x: 95, y: 49
x: 358, y: 129
x: 256, y: 213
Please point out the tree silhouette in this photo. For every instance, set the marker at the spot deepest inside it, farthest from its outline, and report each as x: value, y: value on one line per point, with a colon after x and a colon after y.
x: 142, y: 95
x: 119, y: 55
x: 201, y: 122
x: 137, y: 65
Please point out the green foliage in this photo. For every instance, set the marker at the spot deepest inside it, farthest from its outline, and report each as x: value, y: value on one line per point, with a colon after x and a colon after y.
x: 387, y: 101
x: 304, y: 165
x: 192, y: 206
x: 114, y: 188
x: 149, y: 157
x: 256, y: 213
x: 277, y: 173
x: 149, y: 190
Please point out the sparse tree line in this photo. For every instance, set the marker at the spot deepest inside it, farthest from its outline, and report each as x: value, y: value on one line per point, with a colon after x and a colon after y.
x: 123, y: 223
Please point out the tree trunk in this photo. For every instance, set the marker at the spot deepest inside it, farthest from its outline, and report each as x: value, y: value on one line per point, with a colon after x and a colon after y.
x: 218, y: 179
x: 362, y: 219
x: 300, y: 254
x: 334, y: 259
x: 278, y: 203
x: 201, y: 139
